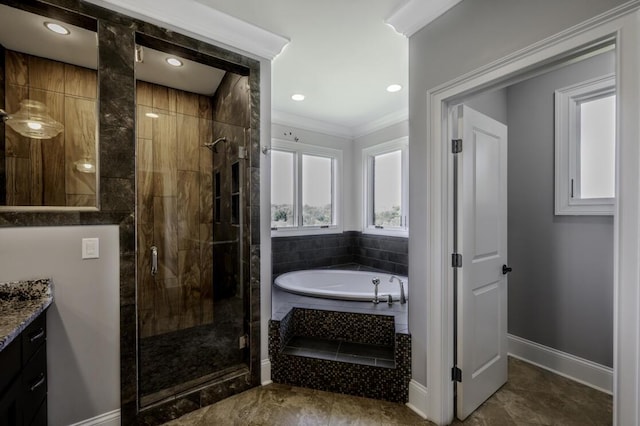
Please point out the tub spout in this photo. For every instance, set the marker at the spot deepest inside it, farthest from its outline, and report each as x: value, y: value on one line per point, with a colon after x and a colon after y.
x: 403, y: 298
x: 375, y: 281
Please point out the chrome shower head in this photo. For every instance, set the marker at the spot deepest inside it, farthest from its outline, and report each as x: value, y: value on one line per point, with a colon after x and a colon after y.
x: 212, y: 145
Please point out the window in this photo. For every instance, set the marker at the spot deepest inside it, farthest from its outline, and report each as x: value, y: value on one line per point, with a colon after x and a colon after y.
x: 585, y: 148
x: 304, y: 189
x: 385, y: 188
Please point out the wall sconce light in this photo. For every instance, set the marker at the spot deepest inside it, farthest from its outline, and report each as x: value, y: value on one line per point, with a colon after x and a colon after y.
x: 33, y: 121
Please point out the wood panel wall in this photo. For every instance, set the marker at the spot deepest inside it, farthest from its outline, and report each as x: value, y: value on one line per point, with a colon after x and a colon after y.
x: 174, y: 210
x: 41, y: 172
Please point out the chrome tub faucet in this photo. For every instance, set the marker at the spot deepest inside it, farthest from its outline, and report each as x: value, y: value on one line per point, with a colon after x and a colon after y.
x: 376, y: 282
x: 403, y: 298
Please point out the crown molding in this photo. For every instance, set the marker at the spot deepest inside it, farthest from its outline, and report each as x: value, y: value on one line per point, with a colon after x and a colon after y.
x: 381, y: 123
x: 311, y: 124
x: 416, y: 14
x: 193, y: 18
x: 305, y: 123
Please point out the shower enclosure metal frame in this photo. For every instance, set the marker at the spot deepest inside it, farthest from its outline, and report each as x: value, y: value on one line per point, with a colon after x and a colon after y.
x: 231, y: 380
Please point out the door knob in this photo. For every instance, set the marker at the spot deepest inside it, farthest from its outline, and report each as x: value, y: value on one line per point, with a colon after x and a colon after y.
x: 506, y: 269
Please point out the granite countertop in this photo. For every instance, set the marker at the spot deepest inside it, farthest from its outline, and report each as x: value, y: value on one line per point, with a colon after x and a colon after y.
x: 20, y: 303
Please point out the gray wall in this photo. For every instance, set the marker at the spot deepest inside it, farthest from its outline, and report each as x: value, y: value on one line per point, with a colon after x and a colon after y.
x: 83, y: 336
x: 492, y: 104
x: 471, y: 34
x: 561, y: 287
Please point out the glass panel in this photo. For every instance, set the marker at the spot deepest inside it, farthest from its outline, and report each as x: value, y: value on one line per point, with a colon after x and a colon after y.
x: 282, y: 189
x: 387, y: 188
x: 597, y: 148
x: 317, y: 190
x: 191, y: 208
x: 49, y: 97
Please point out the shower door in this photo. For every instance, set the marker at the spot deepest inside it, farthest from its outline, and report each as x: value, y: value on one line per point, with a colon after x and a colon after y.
x: 191, y: 234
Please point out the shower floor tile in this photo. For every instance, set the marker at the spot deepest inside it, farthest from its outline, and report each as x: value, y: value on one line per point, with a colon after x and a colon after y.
x: 334, y: 350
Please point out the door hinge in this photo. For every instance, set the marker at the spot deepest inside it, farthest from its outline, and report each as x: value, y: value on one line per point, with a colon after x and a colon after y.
x: 456, y: 375
x: 243, y: 341
x: 456, y: 146
x: 456, y: 260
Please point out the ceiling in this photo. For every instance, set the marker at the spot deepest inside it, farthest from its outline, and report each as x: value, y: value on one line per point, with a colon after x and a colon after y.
x: 340, y: 53
x: 24, y: 32
x: 341, y: 56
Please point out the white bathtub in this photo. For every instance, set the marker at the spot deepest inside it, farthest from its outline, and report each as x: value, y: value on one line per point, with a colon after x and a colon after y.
x: 343, y: 285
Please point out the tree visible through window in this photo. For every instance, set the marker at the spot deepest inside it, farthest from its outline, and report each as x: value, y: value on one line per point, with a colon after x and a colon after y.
x: 282, y: 189
x: 304, y: 187
x: 317, y: 191
x: 385, y: 187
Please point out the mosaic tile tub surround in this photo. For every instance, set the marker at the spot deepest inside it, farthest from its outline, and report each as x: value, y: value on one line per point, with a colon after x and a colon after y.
x: 20, y: 303
x: 386, y: 381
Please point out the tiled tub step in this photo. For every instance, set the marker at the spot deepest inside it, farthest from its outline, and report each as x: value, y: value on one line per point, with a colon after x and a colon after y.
x: 352, y: 353
x: 336, y: 350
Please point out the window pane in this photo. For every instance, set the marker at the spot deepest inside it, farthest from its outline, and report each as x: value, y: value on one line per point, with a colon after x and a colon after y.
x: 282, y: 193
x: 317, y: 188
x: 597, y: 148
x: 387, y: 188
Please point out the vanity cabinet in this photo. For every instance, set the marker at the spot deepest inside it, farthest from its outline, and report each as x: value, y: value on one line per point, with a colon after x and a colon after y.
x: 23, y: 377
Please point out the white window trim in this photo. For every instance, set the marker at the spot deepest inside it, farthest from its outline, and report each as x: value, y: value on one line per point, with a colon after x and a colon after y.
x: 567, y: 135
x: 401, y: 144
x: 299, y: 149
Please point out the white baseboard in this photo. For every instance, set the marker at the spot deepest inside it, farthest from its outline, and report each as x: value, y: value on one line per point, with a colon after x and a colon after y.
x: 265, y: 372
x: 417, y: 398
x: 112, y: 418
x: 570, y: 366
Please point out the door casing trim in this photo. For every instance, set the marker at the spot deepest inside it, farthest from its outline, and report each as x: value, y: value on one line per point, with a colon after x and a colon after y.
x: 622, y: 25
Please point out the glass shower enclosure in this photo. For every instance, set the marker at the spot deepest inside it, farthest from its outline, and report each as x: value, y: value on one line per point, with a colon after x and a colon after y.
x: 191, y: 224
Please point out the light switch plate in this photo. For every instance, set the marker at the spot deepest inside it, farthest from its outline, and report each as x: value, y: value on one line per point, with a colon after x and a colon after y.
x: 90, y: 248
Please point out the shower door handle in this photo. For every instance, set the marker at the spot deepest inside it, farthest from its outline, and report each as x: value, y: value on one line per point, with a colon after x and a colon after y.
x: 154, y: 260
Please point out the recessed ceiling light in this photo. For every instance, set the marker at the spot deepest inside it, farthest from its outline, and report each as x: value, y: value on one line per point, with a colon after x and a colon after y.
x: 56, y: 28
x: 394, y: 88
x: 174, y: 62
x: 152, y: 115
x: 297, y: 97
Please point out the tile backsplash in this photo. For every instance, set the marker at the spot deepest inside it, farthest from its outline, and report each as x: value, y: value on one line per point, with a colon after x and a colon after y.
x: 389, y: 254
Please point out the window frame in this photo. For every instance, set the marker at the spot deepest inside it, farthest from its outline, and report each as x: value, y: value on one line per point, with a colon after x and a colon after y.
x: 368, y: 155
x: 299, y: 149
x: 567, y: 146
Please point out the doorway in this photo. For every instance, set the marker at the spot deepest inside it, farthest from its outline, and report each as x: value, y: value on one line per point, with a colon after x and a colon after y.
x: 546, y: 53
x: 560, y: 310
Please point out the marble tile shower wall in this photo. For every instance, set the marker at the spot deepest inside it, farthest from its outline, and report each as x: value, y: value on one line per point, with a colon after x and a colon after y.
x: 389, y: 254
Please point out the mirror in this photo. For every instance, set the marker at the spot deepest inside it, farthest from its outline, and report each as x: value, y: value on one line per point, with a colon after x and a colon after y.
x: 49, y: 111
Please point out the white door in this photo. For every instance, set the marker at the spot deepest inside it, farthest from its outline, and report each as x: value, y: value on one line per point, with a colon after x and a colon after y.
x: 481, y: 240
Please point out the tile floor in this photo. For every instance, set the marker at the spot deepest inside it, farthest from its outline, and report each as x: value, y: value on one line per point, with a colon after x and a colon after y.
x: 531, y: 397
